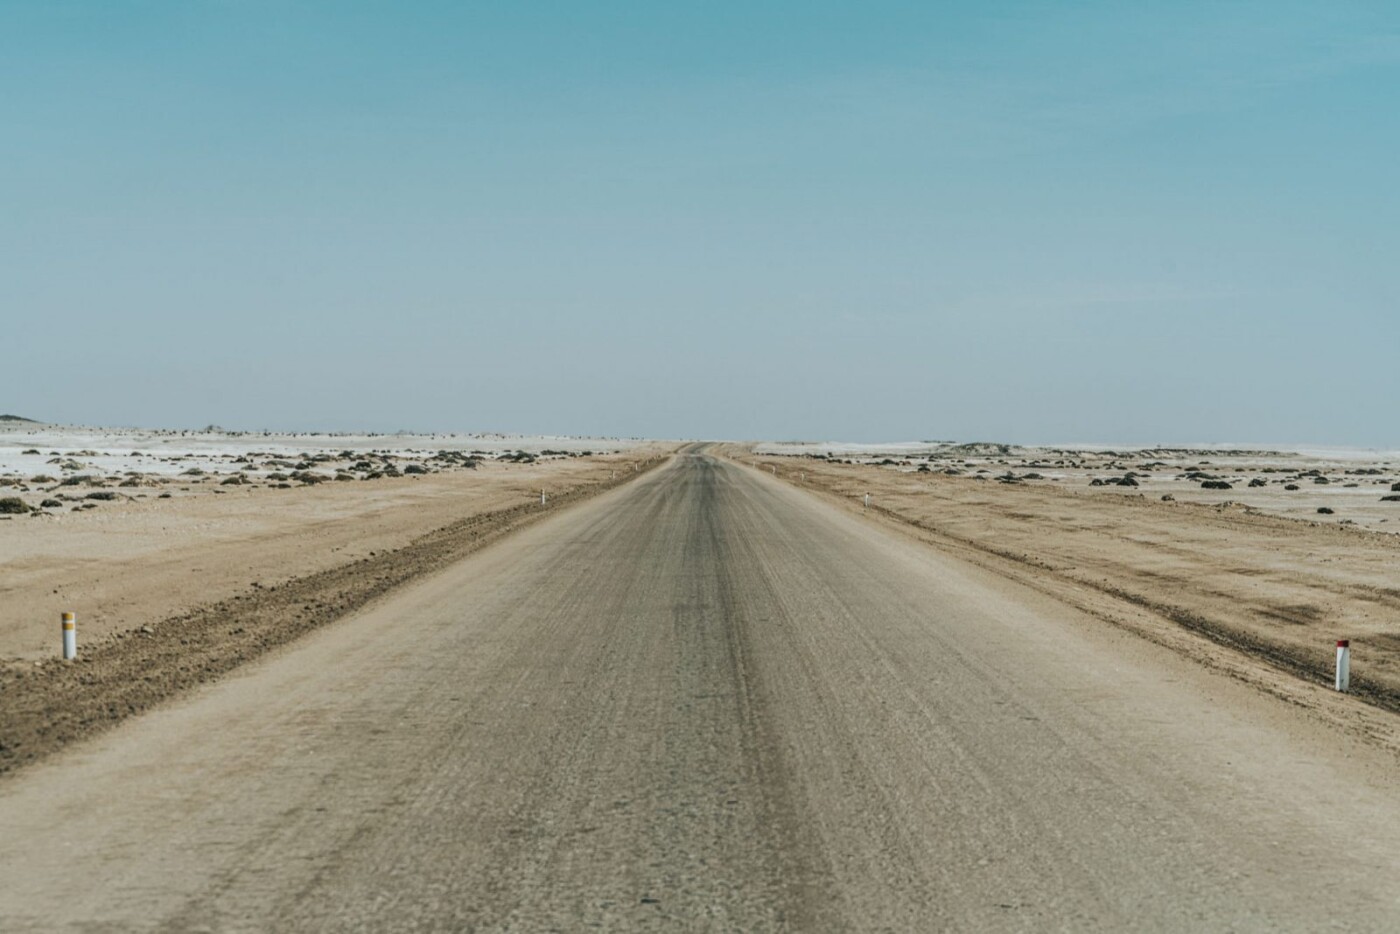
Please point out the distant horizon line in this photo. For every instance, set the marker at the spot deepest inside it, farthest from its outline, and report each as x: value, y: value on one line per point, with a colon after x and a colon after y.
x: 10, y: 421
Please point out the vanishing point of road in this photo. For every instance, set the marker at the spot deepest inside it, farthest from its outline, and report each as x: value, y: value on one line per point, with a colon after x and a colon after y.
x: 708, y: 700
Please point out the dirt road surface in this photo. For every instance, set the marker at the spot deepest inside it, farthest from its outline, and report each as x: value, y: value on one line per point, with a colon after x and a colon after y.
x: 1280, y: 589
x: 709, y: 700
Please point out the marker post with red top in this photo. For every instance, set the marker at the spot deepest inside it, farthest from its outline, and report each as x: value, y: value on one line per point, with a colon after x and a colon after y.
x: 1343, y: 664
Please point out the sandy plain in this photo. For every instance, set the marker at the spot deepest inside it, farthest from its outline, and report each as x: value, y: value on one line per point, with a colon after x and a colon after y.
x: 240, y: 542
x: 235, y: 545
x: 688, y: 693
x: 1253, y: 570
x: 710, y: 700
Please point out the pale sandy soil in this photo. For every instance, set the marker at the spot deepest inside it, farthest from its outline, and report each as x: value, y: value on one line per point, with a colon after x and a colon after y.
x: 1280, y: 589
x: 132, y: 561
x: 29, y: 448
x: 174, y: 593
x: 1353, y: 483
x: 708, y: 701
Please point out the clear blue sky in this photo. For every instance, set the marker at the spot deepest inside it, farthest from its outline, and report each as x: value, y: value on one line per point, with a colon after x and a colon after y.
x: 863, y: 221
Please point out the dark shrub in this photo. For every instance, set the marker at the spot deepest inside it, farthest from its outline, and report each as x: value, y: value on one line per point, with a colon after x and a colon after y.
x: 13, y: 506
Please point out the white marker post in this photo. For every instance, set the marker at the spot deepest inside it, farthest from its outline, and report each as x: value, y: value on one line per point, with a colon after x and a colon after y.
x: 542, y: 498
x: 867, y: 500
x: 70, y: 636
x: 1343, y: 664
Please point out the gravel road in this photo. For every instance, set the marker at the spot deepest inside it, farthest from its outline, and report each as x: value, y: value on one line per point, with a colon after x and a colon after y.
x: 707, y: 700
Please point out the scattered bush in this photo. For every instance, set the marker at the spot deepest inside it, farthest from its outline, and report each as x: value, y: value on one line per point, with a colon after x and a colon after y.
x: 13, y: 506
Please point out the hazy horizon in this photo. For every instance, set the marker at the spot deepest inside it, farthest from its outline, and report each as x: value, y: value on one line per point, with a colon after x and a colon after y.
x: 1296, y: 445
x: 1004, y: 222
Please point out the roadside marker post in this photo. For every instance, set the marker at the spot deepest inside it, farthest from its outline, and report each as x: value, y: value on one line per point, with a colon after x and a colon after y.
x: 70, y: 636
x: 867, y: 500
x: 1343, y: 664
x: 542, y: 498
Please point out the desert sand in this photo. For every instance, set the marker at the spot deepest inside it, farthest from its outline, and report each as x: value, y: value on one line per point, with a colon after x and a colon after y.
x: 711, y: 700
x: 176, y: 577
x: 1254, y: 569
x: 194, y: 531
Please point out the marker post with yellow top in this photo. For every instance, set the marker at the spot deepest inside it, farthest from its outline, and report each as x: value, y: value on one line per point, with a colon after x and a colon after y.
x: 70, y: 636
